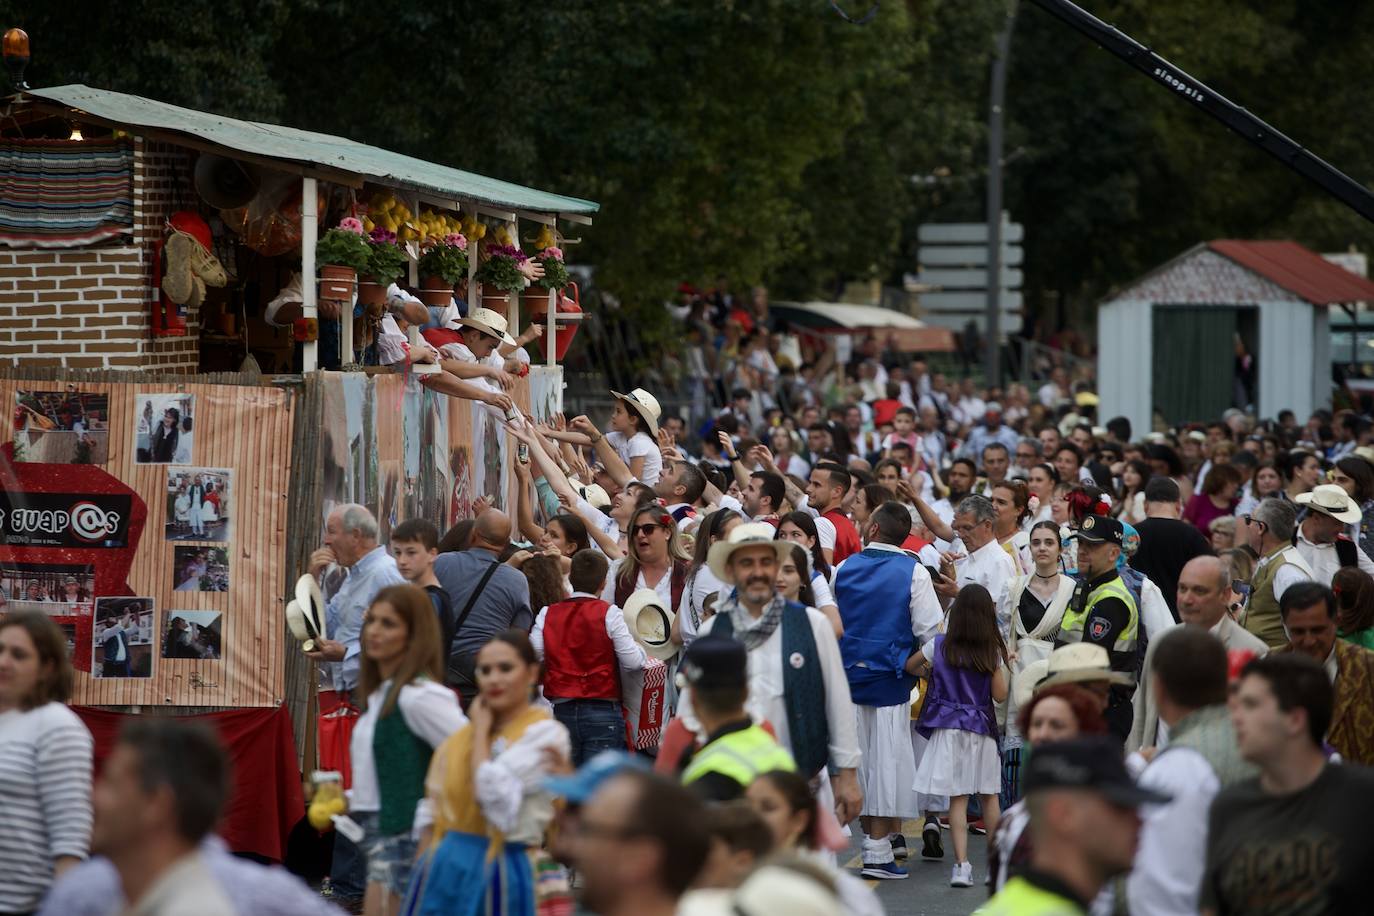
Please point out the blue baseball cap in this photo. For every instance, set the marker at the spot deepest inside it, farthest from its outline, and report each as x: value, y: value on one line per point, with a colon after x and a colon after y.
x: 580, y: 786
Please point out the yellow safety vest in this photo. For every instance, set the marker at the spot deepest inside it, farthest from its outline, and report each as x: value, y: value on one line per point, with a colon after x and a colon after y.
x: 1123, y: 650
x: 740, y: 755
x: 1018, y: 897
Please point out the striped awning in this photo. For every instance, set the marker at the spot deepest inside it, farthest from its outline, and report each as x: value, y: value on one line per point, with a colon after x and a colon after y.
x: 65, y: 193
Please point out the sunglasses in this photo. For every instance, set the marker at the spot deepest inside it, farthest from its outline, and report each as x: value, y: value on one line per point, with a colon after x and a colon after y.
x: 1251, y: 521
x: 646, y: 529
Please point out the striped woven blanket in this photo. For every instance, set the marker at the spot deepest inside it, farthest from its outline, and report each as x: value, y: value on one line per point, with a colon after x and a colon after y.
x: 65, y: 193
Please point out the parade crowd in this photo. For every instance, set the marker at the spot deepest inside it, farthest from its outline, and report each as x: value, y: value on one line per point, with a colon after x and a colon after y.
x: 698, y: 653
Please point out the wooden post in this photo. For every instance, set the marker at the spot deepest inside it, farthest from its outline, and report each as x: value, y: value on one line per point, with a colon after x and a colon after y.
x: 310, y: 232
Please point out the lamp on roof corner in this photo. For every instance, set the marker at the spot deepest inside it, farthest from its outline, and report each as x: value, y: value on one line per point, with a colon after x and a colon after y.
x: 15, y: 46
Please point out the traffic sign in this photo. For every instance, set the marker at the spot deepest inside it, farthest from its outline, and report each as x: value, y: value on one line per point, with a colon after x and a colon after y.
x: 966, y: 233
x: 965, y: 255
x: 966, y: 278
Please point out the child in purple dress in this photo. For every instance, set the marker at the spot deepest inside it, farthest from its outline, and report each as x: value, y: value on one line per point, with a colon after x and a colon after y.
x: 966, y: 675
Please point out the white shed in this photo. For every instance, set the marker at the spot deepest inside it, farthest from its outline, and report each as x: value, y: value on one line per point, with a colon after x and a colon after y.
x: 1169, y: 343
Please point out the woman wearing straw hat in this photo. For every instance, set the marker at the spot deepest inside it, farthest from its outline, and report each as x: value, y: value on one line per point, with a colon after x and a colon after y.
x: 633, y: 435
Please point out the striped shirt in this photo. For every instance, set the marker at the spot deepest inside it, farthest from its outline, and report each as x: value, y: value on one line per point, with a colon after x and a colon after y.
x: 45, y: 800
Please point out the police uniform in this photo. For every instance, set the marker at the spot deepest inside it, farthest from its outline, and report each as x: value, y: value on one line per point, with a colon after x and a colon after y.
x: 1103, y: 611
x: 738, y: 751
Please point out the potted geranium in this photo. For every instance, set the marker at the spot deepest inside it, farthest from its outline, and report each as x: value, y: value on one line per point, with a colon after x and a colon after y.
x: 500, y: 275
x: 342, y: 254
x: 385, y: 263
x: 443, y: 265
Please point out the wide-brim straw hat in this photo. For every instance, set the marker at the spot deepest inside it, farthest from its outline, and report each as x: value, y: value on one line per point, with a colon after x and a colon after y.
x: 644, y: 404
x: 1072, y: 664
x: 752, y: 534
x: 650, y: 622
x: 488, y: 321
x: 305, y: 613
x: 1330, y: 499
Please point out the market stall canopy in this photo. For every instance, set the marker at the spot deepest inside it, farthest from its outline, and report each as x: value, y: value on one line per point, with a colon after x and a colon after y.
x: 906, y: 333
x: 337, y: 157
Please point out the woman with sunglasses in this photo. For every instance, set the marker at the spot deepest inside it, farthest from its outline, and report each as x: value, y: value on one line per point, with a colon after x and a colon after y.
x: 486, y: 808
x: 656, y: 559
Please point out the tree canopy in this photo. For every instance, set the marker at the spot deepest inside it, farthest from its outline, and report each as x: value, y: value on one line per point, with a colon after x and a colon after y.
x: 772, y: 141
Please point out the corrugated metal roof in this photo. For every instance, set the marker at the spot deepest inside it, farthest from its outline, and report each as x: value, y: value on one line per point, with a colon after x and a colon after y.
x: 273, y: 141
x: 1298, y: 270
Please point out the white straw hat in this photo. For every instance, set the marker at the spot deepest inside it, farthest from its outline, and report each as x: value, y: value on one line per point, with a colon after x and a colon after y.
x: 1330, y: 499
x: 644, y: 404
x: 752, y: 534
x: 305, y: 613
x: 488, y: 321
x: 650, y: 623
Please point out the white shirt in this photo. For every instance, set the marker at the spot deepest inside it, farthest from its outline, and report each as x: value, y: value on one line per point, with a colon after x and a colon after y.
x: 1173, y: 837
x: 628, y: 653
x: 430, y: 711
x: 1323, y: 560
x: 993, y: 568
x: 664, y: 588
x: 705, y: 591
x: 640, y: 445
x: 604, y: 523
x: 765, y: 700
x: 924, y: 605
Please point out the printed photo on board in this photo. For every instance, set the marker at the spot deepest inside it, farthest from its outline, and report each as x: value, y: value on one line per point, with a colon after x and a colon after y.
x: 52, y: 589
x: 200, y: 569
x: 192, y: 634
x: 123, y: 638
x: 163, y: 428
x: 199, y: 504
x: 61, y: 427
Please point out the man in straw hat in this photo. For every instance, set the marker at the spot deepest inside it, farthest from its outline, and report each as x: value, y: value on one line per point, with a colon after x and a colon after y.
x: 1103, y: 612
x: 1085, y: 823
x: 889, y: 608
x: 795, y: 669
x: 475, y: 367
x: 1322, y: 538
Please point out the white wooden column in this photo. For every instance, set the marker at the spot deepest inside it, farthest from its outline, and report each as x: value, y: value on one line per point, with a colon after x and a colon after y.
x: 310, y: 233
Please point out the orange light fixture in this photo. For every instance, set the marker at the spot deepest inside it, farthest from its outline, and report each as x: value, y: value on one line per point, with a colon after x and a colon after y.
x: 15, y: 47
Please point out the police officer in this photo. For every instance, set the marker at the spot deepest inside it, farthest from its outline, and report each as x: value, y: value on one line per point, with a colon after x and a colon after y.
x: 1084, y: 828
x: 736, y: 749
x: 1102, y: 611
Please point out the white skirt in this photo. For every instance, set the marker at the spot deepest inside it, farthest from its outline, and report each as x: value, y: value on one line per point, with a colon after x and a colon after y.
x: 888, y: 765
x: 957, y: 762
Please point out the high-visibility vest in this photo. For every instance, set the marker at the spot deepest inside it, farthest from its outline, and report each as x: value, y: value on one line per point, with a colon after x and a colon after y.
x: 1018, y: 897
x: 740, y: 755
x: 1123, y: 650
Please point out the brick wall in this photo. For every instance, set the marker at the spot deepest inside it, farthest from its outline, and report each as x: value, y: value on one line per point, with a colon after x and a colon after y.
x: 91, y: 308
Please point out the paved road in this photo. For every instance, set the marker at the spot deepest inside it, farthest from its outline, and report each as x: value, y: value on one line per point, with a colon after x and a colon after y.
x: 927, y: 891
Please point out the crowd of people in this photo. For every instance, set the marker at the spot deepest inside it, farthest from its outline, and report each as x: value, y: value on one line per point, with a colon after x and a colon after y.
x: 699, y: 657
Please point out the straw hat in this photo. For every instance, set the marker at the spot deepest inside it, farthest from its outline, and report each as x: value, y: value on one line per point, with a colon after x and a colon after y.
x: 1071, y: 664
x: 594, y: 493
x: 305, y: 613
x: 644, y: 404
x: 650, y: 623
x: 488, y: 322
x: 1330, y: 499
x: 752, y: 534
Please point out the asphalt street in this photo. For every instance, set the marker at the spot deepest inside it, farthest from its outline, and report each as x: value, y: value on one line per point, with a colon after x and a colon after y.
x: 927, y: 892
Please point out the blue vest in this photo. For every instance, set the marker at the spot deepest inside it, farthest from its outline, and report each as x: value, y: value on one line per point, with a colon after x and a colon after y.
x: 873, y: 591
x: 803, y: 687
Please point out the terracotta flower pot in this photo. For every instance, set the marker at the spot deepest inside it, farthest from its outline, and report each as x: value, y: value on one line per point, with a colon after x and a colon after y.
x: 497, y: 300
x: 433, y: 291
x: 372, y: 296
x: 336, y: 284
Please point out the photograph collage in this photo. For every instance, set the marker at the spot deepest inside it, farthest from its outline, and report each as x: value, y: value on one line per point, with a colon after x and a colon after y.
x: 65, y: 425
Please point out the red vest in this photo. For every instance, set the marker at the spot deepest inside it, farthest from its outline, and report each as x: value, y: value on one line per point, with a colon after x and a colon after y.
x: 579, y: 657
x: 846, y: 537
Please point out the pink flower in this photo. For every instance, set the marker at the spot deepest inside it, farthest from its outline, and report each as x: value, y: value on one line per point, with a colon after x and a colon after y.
x: 456, y: 240
x: 351, y: 224
x: 552, y: 252
x: 382, y: 235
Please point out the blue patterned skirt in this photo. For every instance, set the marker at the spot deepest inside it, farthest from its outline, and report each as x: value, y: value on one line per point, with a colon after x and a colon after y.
x: 456, y: 879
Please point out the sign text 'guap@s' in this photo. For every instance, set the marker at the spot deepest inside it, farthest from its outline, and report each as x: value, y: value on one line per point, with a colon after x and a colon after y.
x: 64, y: 520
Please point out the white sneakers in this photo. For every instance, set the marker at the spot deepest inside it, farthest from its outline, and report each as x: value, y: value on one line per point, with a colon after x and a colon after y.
x: 961, y: 875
